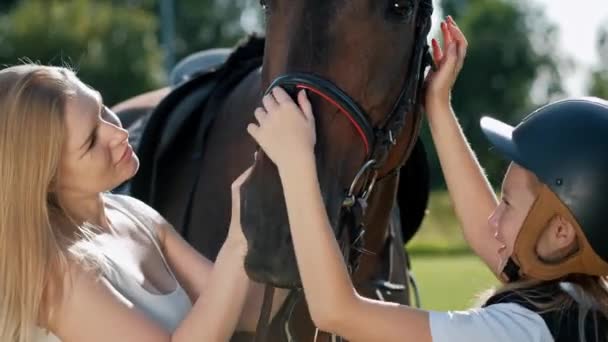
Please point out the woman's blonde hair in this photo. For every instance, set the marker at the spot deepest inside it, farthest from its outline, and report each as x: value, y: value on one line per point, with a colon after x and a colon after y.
x: 34, y: 251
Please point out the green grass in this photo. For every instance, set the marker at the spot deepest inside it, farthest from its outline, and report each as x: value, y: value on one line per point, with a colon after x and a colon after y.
x: 440, y: 232
x: 449, y: 276
x: 449, y: 282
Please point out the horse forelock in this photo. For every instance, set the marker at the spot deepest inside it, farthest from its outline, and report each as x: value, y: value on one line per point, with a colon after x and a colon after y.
x: 426, y: 9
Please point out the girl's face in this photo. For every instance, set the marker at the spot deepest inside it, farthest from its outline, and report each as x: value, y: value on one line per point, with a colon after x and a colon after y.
x: 508, y: 217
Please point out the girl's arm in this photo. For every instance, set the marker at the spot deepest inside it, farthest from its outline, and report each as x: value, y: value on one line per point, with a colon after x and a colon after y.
x: 471, y: 193
x: 333, y: 302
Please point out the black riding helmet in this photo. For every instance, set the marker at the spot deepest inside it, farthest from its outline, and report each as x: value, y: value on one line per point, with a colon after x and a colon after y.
x: 565, y: 144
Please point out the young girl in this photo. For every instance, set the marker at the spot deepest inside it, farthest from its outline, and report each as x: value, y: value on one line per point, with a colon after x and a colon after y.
x: 78, y: 264
x: 545, y: 239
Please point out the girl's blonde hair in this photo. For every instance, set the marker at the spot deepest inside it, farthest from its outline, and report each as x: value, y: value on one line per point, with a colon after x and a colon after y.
x: 587, y: 293
x: 36, y: 235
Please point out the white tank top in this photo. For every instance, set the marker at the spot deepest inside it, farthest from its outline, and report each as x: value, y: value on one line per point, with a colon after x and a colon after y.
x: 167, y: 310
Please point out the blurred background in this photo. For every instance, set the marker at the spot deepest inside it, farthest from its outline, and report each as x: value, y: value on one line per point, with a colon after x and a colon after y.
x: 521, y: 55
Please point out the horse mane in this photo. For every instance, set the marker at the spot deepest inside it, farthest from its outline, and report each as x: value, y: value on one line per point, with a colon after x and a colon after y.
x: 246, y: 49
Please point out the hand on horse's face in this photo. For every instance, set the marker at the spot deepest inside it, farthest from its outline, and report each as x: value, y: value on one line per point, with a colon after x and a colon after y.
x: 449, y: 62
x: 235, y: 231
x: 284, y: 130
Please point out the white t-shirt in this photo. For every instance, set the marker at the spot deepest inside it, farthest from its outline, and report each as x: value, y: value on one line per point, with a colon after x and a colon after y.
x: 504, y: 322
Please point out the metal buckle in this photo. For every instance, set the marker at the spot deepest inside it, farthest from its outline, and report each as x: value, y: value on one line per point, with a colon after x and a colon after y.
x: 351, y: 199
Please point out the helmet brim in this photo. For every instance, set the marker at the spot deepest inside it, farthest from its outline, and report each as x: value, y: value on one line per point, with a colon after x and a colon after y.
x: 500, y: 135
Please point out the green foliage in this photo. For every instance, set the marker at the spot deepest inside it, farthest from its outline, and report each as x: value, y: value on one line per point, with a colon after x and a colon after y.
x: 599, y: 77
x: 199, y: 24
x: 440, y: 231
x: 511, y: 46
x: 112, y: 48
x: 5, y: 5
x: 207, y: 23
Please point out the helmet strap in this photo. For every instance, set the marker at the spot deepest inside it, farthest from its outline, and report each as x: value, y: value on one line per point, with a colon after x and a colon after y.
x: 510, y: 272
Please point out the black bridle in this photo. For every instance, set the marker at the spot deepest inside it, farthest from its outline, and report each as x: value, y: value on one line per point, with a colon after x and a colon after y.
x: 377, y: 141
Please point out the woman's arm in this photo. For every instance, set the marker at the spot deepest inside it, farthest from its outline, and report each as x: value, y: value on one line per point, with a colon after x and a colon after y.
x: 216, y: 312
x: 195, y: 272
x: 471, y: 193
x: 92, y: 310
x: 221, y: 303
x: 213, y: 317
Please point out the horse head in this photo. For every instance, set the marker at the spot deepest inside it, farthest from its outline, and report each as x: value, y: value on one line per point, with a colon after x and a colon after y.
x: 362, y: 63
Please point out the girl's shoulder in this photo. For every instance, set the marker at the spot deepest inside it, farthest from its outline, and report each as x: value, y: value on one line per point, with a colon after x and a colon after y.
x: 500, y: 322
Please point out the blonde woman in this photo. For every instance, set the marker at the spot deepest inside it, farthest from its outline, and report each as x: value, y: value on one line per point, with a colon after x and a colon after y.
x: 546, y: 238
x: 78, y: 264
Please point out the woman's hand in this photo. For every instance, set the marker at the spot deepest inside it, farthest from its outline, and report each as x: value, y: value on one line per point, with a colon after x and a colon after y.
x: 449, y: 62
x: 235, y: 232
x: 284, y: 130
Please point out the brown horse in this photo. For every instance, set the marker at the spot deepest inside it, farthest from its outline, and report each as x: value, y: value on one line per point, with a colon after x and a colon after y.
x: 362, y: 62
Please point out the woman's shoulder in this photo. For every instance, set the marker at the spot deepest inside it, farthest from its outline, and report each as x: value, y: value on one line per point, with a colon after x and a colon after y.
x: 148, y: 216
x: 135, y: 206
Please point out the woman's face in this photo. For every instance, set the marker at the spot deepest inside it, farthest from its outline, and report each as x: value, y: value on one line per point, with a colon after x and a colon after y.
x: 97, y: 156
x: 508, y: 217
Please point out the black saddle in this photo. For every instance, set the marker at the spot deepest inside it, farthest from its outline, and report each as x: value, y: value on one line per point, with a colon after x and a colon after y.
x: 199, y: 83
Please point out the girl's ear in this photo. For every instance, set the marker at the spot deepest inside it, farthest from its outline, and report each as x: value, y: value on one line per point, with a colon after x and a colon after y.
x: 565, y: 233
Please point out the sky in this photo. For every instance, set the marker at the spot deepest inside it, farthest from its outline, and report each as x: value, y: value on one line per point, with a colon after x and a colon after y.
x: 578, y: 22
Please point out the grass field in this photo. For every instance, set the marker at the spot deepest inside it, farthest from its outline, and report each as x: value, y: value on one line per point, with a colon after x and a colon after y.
x: 449, y: 276
x: 450, y: 282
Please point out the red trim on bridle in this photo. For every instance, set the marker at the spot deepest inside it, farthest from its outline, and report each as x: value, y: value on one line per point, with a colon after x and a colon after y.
x: 342, y: 110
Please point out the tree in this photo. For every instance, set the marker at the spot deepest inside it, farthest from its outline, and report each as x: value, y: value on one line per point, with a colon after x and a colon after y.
x: 599, y: 77
x: 6, y: 5
x: 511, y: 46
x: 112, y: 48
x: 199, y: 24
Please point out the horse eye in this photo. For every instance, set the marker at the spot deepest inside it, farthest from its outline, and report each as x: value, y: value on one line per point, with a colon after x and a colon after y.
x: 402, y: 8
x: 264, y: 4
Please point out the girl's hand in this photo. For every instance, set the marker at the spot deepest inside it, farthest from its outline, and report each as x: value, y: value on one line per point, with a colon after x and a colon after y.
x: 284, y: 130
x: 235, y: 232
x: 449, y: 62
